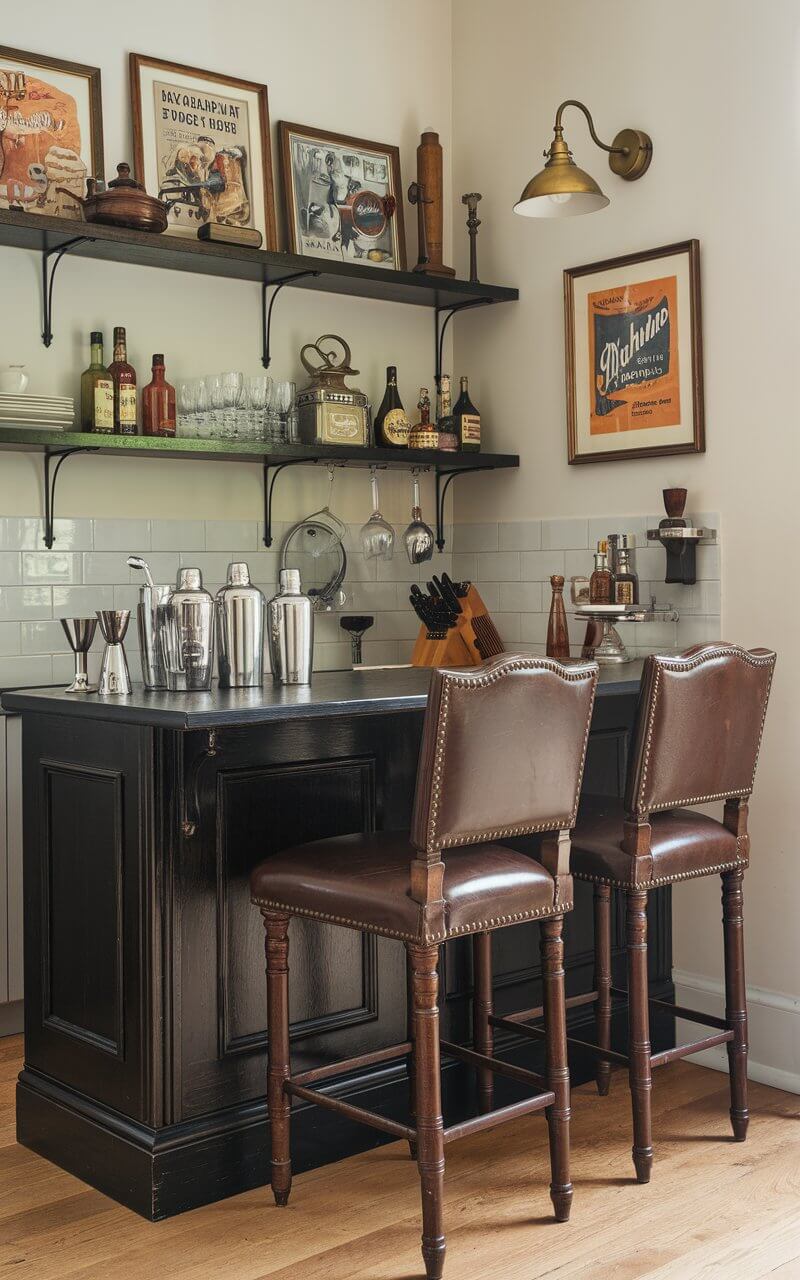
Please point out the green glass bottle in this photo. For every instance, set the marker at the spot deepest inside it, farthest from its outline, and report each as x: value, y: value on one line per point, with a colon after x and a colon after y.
x: 97, y: 392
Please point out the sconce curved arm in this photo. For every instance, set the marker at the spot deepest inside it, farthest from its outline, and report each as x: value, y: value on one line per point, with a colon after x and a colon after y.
x: 573, y: 102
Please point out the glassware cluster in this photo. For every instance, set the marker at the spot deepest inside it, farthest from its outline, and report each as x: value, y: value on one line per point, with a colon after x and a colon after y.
x: 236, y: 406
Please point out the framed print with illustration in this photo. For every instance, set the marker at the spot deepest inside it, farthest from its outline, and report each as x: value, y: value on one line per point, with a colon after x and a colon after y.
x: 635, y: 356
x: 51, y: 133
x: 343, y: 197
x: 201, y: 144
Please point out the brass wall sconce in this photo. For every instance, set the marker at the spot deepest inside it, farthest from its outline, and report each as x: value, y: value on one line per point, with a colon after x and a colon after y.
x: 562, y: 189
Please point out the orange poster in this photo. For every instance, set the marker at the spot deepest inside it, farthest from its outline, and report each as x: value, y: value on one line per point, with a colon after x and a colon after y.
x: 633, y: 357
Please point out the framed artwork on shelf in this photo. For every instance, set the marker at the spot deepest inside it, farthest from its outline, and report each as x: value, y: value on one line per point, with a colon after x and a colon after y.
x: 344, y: 198
x: 51, y: 133
x: 201, y: 144
x: 634, y: 356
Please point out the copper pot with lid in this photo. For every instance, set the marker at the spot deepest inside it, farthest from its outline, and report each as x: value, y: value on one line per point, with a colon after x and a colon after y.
x: 125, y: 203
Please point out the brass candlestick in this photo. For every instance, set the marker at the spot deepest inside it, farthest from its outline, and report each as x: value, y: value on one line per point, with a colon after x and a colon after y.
x: 473, y: 222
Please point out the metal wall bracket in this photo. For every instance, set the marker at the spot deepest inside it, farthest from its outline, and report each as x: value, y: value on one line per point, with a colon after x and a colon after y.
x: 441, y: 491
x: 50, y: 487
x: 48, y: 276
x: 440, y: 327
x: 269, y: 486
x: 266, y: 308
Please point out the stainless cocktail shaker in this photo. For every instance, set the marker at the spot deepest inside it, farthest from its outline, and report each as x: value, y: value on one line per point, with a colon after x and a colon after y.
x: 186, y: 630
x: 240, y: 630
x: 291, y: 631
x: 151, y: 596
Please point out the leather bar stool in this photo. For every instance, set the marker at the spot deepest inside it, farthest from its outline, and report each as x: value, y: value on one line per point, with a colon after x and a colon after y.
x: 696, y: 741
x: 502, y: 755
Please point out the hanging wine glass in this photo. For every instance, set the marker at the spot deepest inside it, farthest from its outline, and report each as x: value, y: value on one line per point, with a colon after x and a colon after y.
x: 377, y: 536
x: 418, y: 537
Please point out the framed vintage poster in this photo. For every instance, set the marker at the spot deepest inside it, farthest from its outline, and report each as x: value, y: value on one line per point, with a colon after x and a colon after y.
x: 635, y: 356
x: 201, y: 143
x: 343, y: 197
x: 51, y: 133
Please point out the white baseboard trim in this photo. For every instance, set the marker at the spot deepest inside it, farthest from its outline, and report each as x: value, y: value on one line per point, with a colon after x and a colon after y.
x: 773, y: 1029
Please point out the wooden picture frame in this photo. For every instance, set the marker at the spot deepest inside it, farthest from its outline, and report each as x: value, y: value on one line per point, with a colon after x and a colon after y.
x: 635, y: 391
x: 355, y: 227
x: 203, y: 146
x: 42, y: 159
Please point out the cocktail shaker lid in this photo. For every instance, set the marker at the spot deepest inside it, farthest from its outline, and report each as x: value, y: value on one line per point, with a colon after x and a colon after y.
x: 290, y: 581
x: 238, y: 574
x: 190, y: 580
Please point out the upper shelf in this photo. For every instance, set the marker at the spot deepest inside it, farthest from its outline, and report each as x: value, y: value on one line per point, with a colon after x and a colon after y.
x: 32, y: 231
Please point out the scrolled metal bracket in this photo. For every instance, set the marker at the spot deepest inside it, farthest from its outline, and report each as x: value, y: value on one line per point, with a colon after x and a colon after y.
x: 266, y: 308
x: 440, y: 327
x: 48, y: 277
x: 448, y: 475
x: 191, y: 794
x: 269, y: 486
x: 50, y: 479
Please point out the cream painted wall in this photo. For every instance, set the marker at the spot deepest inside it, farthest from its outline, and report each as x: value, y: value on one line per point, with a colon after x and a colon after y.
x: 716, y: 85
x: 378, y: 73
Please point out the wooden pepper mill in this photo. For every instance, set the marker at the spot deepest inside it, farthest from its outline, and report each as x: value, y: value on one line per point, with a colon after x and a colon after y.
x: 429, y: 178
x: 557, y: 633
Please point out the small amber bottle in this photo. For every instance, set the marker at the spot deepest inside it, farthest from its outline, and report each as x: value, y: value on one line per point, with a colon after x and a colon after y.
x: 601, y: 583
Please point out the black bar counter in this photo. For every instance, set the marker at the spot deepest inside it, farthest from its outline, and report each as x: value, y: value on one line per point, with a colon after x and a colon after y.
x: 144, y: 968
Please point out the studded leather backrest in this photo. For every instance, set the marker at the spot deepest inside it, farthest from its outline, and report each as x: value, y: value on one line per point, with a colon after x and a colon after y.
x: 698, y: 728
x: 502, y: 752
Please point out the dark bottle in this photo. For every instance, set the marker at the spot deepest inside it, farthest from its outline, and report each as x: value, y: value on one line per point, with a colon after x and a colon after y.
x: 448, y: 440
x: 391, y: 420
x: 123, y: 376
x: 626, y: 583
x: 97, y: 392
x: 601, y: 583
x: 158, y: 403
x: 468, y: 421
x: 557, y: 632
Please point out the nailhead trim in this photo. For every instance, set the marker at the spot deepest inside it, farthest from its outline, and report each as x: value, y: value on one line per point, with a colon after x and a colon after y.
x: 662, y: 880
x: 434, y: 844
x: 678, y: 664
x: 496, y: 922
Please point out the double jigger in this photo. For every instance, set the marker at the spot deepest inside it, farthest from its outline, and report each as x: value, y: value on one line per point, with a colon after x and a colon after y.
x: 115, y: 677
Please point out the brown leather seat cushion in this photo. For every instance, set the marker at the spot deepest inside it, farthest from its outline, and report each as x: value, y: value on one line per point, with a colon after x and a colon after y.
x: 364, y: 881
x: 684, y: 843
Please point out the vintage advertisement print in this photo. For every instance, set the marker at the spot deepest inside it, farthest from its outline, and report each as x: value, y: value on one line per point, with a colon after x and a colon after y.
x: 634, y: 356
x: 202, y: 146
x: 50, y: 133
x: 342, y: 197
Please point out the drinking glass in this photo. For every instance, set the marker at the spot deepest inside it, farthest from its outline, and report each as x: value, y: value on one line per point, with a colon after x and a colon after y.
x: 232, y: 388
x: 187, y: 406
x: 201, y: 404
x: 257, y: 389
x: 285, y: 405
x: 377, y: 535
x: 216, y: 401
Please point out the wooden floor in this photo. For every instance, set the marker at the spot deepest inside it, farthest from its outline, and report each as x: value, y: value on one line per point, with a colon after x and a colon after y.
x: 714, y: 1208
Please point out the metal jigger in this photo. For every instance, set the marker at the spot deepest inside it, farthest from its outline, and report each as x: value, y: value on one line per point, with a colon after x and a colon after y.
x: 80, y: 635
x: 115, y: 677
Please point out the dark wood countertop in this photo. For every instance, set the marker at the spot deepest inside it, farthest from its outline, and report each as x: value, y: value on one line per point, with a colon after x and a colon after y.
x: 332, y: 693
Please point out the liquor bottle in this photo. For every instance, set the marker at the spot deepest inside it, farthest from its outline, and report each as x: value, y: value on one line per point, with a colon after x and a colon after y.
x: 601, y: 582
x: 626, y: 583
x: 448, y: 440
x: 158, y: 403
x: 557, y: 632
x: 97, y: 392
x: 391, y: 422
x: 468, y: 421
x: 123, y: 376
x: 423, y: 435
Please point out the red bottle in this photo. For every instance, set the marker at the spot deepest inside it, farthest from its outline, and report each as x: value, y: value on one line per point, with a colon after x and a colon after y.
x: 158, y: 403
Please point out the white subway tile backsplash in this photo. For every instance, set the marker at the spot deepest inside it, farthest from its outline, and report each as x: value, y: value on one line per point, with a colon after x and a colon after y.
x: 577, y: 564
x: 10, y: 638
x: 10, y: 568
x: 520, y: 535
x: 241, y: 535
x: 81, y: 602
x: 564, y: 534
x: 522, y: 597
x: 40, y: 568
x: 533, y: 627
x: 708, y: 561
x: 177, y: 535
x: 104, y: 568
x: 465, y: 566
x: 26, y: 670
x: 537, y: 566
x: 499, y: 566
x: 26, y: 602
x: 635, y: 526
x: 43, y: 637
x: 130, y: 536
x: 475, y: 537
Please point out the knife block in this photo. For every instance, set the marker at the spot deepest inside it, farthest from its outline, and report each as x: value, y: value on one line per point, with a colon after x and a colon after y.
x: 471, y: 640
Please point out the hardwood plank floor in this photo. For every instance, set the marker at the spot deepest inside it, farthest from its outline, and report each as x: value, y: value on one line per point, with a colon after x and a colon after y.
x: 713, y: 1209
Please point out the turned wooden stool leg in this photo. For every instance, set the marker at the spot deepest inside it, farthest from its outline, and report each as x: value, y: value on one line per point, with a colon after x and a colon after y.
x: 555, y: 1023
x: 430, y: 1126
x: 735, y: 998
x: 602, y: 981
x: 482, y: 1036
x: 278, y: 1068
x: 411, y: 1062
x: 639, y: 1066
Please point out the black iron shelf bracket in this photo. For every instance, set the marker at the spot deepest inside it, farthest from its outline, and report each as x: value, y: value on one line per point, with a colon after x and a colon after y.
x: 269, y: 487
x: 50, y: 479
x: 48, y: 277
x: 440, y: 327
x: 448, y: 475
x: 266, y: 308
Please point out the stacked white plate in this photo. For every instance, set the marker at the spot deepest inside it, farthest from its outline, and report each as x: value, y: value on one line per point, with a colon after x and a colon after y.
x: 48, y: 413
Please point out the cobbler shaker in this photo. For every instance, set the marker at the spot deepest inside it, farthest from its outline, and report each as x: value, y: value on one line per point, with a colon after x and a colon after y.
x: 186, y: 631
x: 291, y: 631
x: 240, y: 630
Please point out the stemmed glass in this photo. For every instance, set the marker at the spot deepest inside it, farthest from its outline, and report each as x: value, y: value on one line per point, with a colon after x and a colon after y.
x: 232, y: 391
x: 284, y: 405
x: 257, y: 389
x: 376, y: 536
x: 418, y: 537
